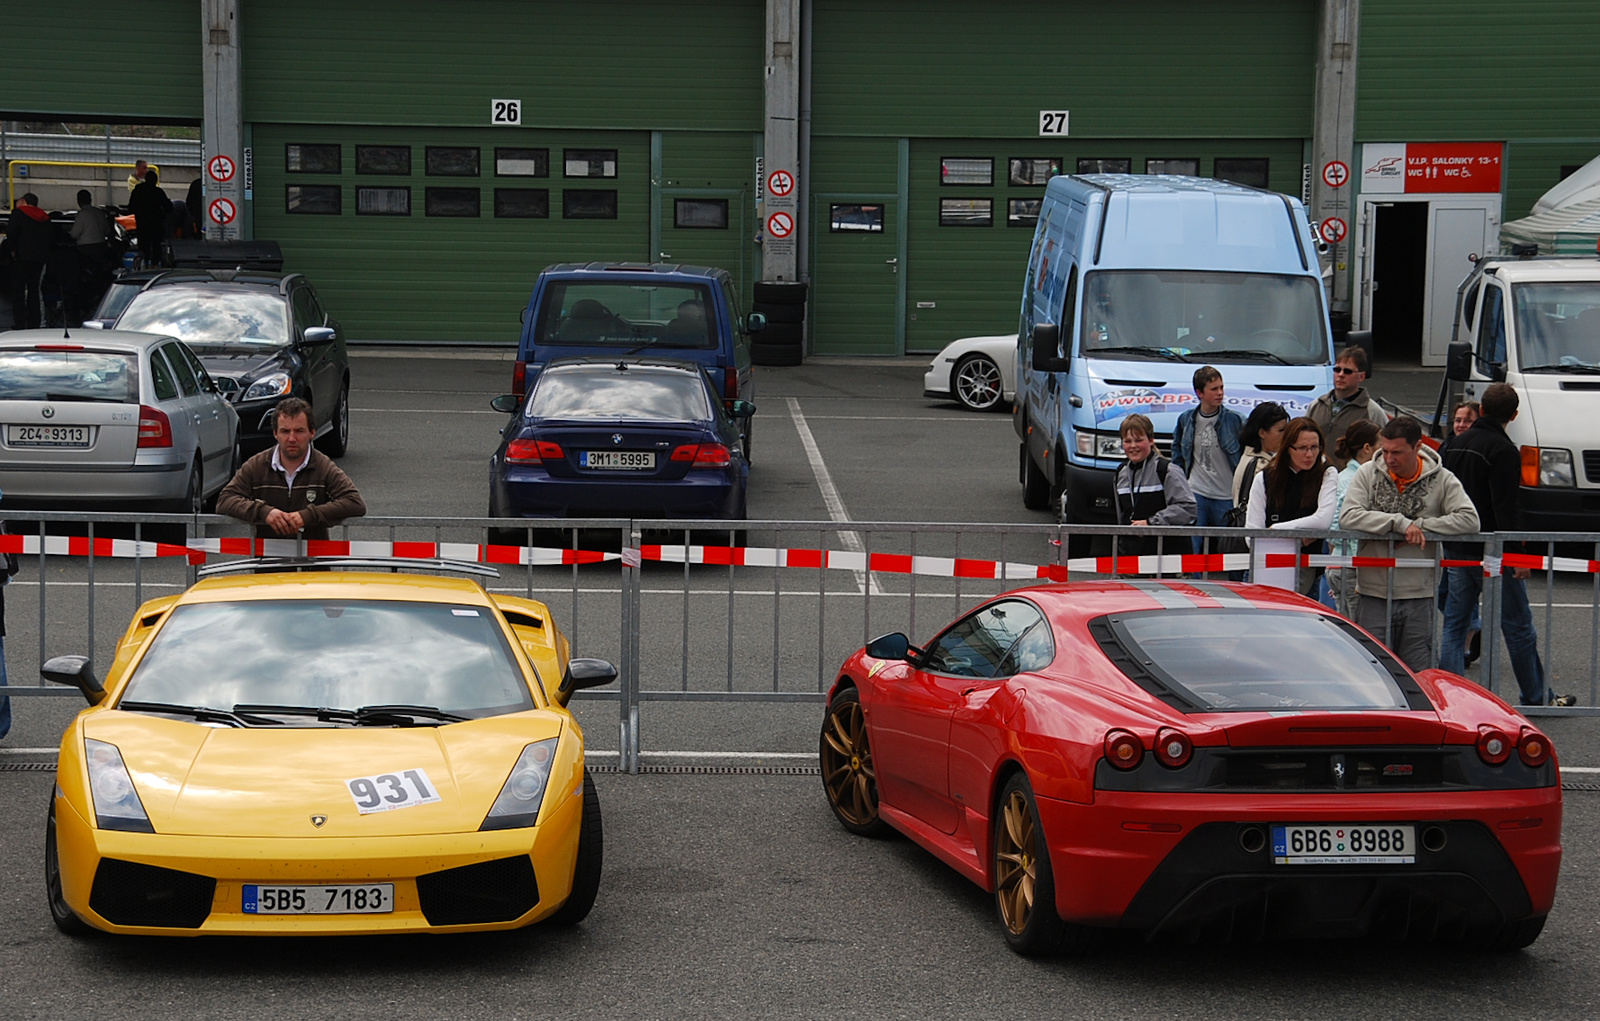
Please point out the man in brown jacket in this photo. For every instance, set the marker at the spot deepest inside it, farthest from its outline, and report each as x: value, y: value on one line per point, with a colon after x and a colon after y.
x: 292, y: 489
x: 1346, y: 403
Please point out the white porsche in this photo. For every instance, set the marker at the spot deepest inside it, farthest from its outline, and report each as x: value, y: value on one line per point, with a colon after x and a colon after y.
x: 980, y: 373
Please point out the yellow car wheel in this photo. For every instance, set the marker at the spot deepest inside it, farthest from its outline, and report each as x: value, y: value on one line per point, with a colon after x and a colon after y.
x: 586, y: 871
x: 60, y: 913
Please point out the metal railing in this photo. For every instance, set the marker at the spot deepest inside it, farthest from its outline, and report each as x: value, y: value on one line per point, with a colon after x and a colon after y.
x: 697, y: 612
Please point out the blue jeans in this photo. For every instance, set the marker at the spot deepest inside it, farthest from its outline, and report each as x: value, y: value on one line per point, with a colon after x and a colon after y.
x: 1444, y: 598
x: 1516, y: 624
x: 5, y: 703
x: 1209, y: 512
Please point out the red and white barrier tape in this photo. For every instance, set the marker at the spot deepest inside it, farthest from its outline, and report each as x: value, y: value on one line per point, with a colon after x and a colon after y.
x: 196, y: 551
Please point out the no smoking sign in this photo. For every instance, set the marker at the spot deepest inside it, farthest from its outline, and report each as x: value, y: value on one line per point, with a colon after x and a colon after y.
x: 223, y: 211
x: 1333, y: 230
x: 780, y: 183
x: 780, y: 225
x: 221, y: 168
x: 1335, y: 174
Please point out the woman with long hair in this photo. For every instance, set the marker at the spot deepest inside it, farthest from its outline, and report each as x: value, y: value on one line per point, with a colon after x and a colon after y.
x: 1297, y: 490
x: 1260, y: 439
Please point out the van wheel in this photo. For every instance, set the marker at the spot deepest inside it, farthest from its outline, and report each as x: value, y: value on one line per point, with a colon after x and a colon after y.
x: 1035, y: 487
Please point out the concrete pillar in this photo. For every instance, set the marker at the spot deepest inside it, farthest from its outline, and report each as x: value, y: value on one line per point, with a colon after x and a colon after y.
x: 1333, y: 134
x: 779, y: 209
x: 222, y: 126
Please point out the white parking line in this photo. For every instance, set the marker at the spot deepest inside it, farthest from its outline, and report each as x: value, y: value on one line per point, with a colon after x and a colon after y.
x: 830, y: 493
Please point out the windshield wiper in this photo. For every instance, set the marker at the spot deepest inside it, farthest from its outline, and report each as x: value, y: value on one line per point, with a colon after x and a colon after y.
x: 1249, y: 352
x: 387, y: 715
x: 203, y: 714
x: 1159, y: 352
x: 1580, y: 368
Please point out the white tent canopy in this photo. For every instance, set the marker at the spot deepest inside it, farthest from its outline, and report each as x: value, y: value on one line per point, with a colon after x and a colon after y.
x: 1565, y: 220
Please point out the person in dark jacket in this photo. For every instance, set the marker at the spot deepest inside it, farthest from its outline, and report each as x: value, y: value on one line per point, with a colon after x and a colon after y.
x: 1489, y: 466
x: 291, y: 490
x: 1150, y: 490
x: 150, y: 207
x: 1206, y: 446
x: 31, y: 238
x: 195, y: 200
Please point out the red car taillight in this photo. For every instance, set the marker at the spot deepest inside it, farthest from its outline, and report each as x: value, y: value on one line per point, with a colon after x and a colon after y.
x: 730, y: 383
x: 519, y: 378
x: 1533, y: 747
x: 1123, y: 750
x: 1494, y: 747
x: 155, y: 429
x: 704, y: 455
x: 533, y: 452
x: 1173, y: 748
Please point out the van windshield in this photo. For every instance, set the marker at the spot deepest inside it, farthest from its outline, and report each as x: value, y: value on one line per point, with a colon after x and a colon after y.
x: 1558, y: 326
x: 625, y: 314
x: 1202, y: 316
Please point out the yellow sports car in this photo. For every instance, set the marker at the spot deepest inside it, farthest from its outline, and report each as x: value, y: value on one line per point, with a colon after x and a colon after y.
x: 318, y: 753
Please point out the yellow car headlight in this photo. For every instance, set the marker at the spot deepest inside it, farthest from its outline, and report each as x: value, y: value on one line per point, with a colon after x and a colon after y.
x: 116, y: 802
x: 523, y: 791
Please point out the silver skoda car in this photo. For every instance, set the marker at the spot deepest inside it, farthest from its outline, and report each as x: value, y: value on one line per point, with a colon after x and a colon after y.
x: 110, y: 420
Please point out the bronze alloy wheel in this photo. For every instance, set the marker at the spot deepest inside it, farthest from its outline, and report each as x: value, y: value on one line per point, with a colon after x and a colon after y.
x: 1024, y: 886
x: 847, y: 772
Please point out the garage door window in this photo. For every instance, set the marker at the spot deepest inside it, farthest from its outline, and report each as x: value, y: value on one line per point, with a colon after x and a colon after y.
x: 966, y: 212
x: 710, y: 214
x: 313, y: 199
x: 583, y: 204
x: 1033, y: 170
x: 384, y: 159
x: 1103, y: 165
x: 590, y: 162
x: 522, y: 203
x: 312, y: 159
x: 1173, y: 166
x: 1023, y: 212
x: 446, y: 161
x: 451, y: 202
x: 855, y: 219
x: 964, y: 170
x: 1252, y: 172
x: 383, y: 201
x: 509, y: 162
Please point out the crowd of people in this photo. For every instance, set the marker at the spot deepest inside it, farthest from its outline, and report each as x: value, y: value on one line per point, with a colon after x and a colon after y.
x: 1347, y: 466
x: 53, y: 263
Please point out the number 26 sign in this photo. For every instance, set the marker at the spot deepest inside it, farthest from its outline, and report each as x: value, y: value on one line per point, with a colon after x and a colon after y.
x: 505, y: 113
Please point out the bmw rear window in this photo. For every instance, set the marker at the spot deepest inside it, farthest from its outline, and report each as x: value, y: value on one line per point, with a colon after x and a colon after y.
x: 607, y: 393
x: 1236, y: 661
x: 108, y: 376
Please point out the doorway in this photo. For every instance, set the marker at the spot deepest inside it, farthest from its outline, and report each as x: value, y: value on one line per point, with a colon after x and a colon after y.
x: 1399, y: 276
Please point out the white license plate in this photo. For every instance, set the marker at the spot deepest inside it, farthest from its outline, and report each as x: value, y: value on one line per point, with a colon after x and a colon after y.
x: 625, y: 460
x: 1344, y: 844
x: 367, y: 899
x: 47, y: 435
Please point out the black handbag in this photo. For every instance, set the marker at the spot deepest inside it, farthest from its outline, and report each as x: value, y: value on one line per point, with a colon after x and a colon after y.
x: 1235, y: 517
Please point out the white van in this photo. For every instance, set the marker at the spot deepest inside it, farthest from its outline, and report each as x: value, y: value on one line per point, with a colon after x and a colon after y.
x: 1134, y: 282
x: 1535, y: 323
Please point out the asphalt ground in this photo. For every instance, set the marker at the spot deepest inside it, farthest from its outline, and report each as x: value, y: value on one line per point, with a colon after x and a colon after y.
x: 735, y: 893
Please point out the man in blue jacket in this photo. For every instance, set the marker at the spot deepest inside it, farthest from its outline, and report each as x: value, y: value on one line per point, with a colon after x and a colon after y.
x: 1206, y: 446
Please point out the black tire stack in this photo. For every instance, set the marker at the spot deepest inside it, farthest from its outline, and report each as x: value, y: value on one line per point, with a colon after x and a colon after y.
x: 783, y: 340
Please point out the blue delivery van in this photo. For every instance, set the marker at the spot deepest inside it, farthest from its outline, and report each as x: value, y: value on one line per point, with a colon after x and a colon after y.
x: 1135, y: 281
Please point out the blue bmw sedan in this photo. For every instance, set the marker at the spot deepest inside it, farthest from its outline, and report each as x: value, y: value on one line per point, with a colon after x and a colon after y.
x: 639, y: 438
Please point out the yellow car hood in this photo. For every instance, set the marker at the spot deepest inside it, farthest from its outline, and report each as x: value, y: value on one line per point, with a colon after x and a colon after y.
x: 258, y: 782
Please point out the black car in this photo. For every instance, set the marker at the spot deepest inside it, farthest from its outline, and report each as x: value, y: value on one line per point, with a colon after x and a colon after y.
x: 262, y: 337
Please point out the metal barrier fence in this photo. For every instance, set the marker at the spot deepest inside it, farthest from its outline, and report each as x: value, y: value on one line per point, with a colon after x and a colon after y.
x: 698, y: 612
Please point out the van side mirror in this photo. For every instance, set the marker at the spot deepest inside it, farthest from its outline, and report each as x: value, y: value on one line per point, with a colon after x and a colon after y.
x: 74, y: 672
x: 1458, y: 361
x: 1046, y: 342
x: 755, y: 322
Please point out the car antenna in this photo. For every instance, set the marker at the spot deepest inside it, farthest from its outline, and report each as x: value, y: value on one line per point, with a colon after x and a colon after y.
x: 622, y: 365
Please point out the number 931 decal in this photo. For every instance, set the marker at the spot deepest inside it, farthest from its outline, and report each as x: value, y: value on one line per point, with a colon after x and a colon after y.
x: 388, y: 791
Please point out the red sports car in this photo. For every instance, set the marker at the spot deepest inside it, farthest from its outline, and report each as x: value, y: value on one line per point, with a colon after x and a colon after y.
x: 1202, y: 761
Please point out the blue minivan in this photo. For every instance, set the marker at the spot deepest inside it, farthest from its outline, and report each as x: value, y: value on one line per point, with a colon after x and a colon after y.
x: 688, y: 313
x: 1134, y: 282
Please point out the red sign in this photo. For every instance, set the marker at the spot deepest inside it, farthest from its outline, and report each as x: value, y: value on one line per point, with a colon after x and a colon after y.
x: 223, y: 211
x: 1453, y: 167
x: 1336, y: 173
x: 221, y: 168
x: 780, y: 183
x: 780, y: 225
x: 1333, y: 230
